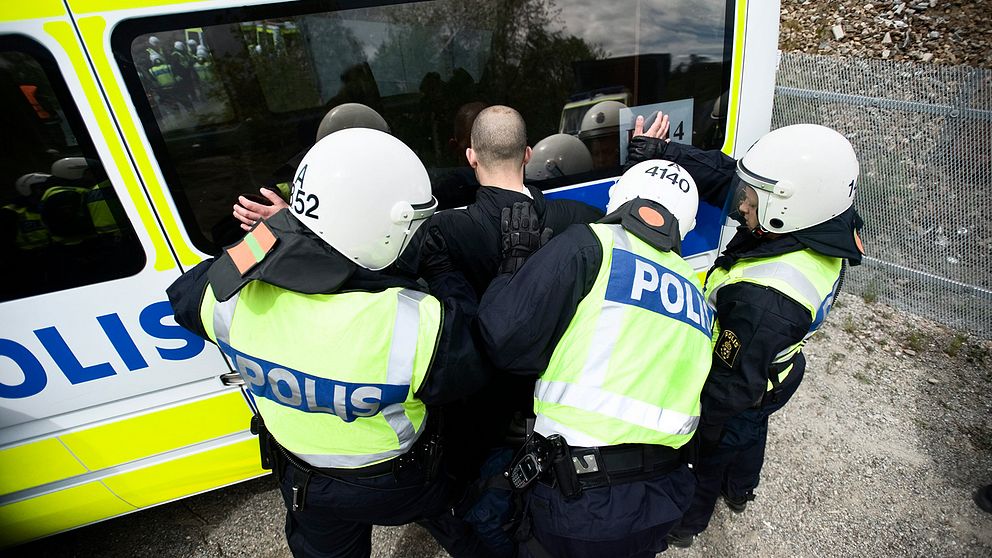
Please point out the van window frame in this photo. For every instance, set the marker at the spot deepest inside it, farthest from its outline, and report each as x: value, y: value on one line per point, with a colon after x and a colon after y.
x: 127, y: 31
x: 83, y: 135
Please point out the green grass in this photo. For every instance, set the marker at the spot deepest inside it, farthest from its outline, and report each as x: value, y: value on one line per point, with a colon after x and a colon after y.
x: 916, y: 341
x: 955, y: 344
x: 870, y: 293
x: 861, y: 377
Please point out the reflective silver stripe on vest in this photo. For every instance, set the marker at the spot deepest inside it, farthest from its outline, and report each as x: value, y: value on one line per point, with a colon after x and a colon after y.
x: 546, y: 427
x: 608, y: 326
x: 403, y: 347
x: 617, y: 406
x: 223, y: 316
x: 777, y: 270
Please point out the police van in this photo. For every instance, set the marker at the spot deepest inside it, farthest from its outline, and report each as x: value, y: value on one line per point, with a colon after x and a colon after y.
x: 131, y: 126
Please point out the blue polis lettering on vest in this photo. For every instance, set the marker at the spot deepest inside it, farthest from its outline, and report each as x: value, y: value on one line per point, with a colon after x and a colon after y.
x: 313, y: 394
x: 640, y: 282
x: 824, y: 309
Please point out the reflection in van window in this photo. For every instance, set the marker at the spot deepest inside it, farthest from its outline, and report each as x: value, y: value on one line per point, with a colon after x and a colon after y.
x: 233, y: 106
x: 61, y: 222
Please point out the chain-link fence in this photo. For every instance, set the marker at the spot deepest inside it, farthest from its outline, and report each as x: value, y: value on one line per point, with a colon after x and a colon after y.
x: 923, y: 134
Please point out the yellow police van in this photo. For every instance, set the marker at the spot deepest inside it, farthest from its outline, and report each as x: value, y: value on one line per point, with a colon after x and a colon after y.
x: 131, y: 126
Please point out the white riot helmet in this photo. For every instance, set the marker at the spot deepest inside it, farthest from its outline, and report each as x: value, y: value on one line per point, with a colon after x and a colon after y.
x: 201, y: 52
x: 558, y: 155
x: 363, y: 192
x: 603, y: 119
x: 154, y: 42
x: 26, y: 183
x: 75, y: 168
x: 191, y: 45
x: 663, y: 182
x: 804, y: 175
x: 350, y: 115
x: 180, y: 46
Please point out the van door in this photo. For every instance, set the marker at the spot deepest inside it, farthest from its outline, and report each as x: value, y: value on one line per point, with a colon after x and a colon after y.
x: 106, y: 405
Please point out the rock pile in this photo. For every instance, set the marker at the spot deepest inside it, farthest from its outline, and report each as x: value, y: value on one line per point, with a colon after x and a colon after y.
x: 934, y: 31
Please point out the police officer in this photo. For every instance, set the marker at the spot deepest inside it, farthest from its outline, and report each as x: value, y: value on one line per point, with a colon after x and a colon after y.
x: 341, y: 117
x: 614, y: 324
x: 771, y: 289
x: 558, y: 155
x: 600, y: 131
x: 343, y: 357
x: 28, y: 230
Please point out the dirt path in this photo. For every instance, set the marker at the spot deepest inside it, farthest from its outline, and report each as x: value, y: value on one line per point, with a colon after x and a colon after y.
x: 879, y: 451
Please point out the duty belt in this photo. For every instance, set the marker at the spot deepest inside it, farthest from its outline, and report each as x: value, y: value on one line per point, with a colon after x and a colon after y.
x: 573, y: 469
x: 425, y: 454
x: 601, y: 466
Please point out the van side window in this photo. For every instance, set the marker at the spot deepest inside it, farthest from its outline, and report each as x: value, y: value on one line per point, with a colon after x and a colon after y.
x: 232, y: 99
x: 61, y: 222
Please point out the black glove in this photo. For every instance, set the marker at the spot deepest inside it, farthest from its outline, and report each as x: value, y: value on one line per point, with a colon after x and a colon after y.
x: 522, y: 236
x: 644, y: 148
x: 434, y: 257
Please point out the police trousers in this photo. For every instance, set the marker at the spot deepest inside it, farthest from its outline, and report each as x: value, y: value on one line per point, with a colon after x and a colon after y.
x: 338, y: 513
x: 624, y: 519
x: 734, y: 468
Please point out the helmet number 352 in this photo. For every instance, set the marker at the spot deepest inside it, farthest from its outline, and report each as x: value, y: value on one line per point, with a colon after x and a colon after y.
x: 303, y: 203
x: 672, y: 177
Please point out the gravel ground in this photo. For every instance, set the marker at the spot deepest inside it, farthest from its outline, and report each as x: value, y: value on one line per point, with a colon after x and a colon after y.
x: 933, y: 31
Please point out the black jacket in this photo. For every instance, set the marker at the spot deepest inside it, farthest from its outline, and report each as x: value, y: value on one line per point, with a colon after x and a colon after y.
x: 304, y: 263
x: 523, y: 316
x: 764, y: 320
x: 473, y: 234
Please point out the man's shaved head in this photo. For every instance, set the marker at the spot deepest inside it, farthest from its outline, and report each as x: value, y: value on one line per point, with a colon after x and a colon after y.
x: 499, y: 137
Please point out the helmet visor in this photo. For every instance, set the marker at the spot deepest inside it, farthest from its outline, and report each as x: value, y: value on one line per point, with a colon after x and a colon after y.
x: 754, y: 179
x: 424, y: 210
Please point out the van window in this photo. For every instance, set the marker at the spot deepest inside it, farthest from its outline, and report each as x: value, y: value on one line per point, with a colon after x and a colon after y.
x: 232, y: 99
x: 61, y: 223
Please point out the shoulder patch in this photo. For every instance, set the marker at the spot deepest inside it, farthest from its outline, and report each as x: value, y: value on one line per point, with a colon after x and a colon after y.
x: 728, y: 346
x: 252, y: 249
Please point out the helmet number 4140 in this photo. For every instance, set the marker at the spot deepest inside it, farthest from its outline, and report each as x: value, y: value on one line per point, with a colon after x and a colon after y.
x: 673, y: 177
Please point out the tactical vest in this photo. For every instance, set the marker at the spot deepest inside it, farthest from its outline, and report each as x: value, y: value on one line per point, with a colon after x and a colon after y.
x: 31, y: 231
x: 104, y: 208
x: 70, y: 222
x: 204, y: 71
x: 805, y: 276
x: 333, y: 376
x: 631, y: 365
x: 163, y: 76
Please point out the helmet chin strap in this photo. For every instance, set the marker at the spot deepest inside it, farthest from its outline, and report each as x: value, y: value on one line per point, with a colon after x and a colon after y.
x: 759, y: 232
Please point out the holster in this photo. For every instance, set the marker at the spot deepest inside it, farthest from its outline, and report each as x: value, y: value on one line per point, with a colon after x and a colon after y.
x: 564, y: 469
x: 265, y: 448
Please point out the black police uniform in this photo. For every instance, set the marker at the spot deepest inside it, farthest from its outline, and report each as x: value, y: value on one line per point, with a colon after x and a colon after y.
x: 733, y: 429
x: 520, y: 328
x: 338, y: 511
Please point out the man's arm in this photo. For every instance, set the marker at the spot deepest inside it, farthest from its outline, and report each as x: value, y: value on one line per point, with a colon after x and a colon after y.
x: 186, y: 296
x: 715, y: 173
x: 523, y: 316
x: 763, y: 322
